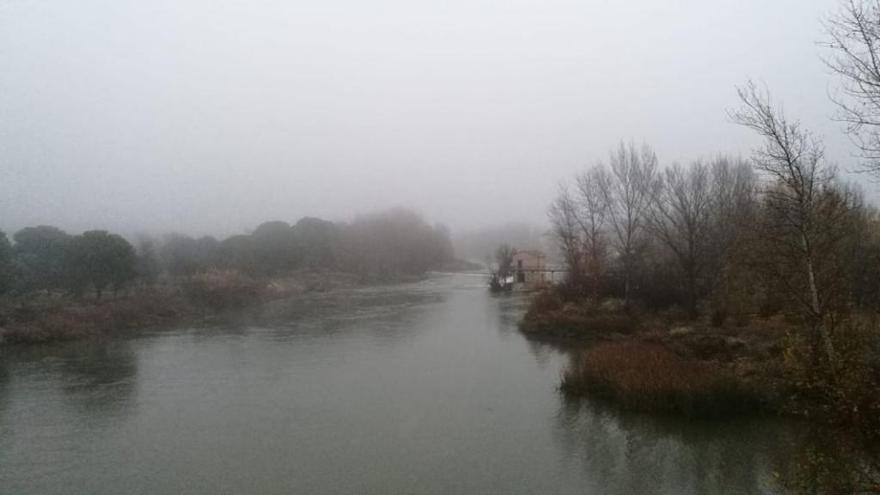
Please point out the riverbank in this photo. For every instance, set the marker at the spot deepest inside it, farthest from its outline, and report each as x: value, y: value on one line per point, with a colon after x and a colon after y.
x: 664, y: 363
x: 669, y: 363
x: 203, y: 298
x: 330, y: 368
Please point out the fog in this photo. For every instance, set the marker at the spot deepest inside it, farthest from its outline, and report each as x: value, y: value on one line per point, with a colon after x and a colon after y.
x: 210, y: 117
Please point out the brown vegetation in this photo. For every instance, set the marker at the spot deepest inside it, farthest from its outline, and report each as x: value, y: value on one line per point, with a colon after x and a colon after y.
x: 752, y: 279
x: 849, y: 393
x: 226, y: 289
x: 665, y: 361
x: 54, y: 317
x: 649, y: 376
x: 550, y: 317
x: 47, y: 319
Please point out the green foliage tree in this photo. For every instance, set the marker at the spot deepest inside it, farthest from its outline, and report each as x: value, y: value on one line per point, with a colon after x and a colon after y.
x: 147, y: 261
x: 100, y: 260
x: 183, y: 255
x: 238, y: 253
x: 317, y: 240
x: 41, y: 257
x: 275, y: 247
x: 6, y: 267
x: 383, y: 245
x: 395, y: 242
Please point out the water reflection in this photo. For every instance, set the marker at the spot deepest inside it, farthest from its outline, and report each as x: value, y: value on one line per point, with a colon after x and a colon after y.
x: 634, y: 453
x: 830, y: 461
x: 5, y: 376
x: 543, y: 353
x: 510, y: 309
x: 99, y: 377
x: 387, y: 312
x: 96, y: 377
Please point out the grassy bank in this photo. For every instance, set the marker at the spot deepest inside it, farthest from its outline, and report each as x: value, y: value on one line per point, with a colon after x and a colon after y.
x: 550, y: 317
x: 648, y: 376
x: 663, y: 361
x: 50, y: 317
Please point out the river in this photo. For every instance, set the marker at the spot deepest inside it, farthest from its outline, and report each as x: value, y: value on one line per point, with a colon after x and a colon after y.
x: 420, y: 388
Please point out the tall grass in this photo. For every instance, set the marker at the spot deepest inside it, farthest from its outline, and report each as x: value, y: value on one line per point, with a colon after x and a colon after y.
x: 67, y: 319
x: 648, y: 376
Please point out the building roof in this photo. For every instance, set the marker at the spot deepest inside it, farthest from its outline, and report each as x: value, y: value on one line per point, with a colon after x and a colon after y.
x: 530, y: 252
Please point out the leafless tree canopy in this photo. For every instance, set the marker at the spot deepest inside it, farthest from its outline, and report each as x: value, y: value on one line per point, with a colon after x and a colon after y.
x: 804, y: 213
x: 627, y: 194
x: 633, y: 228
x: 680, y: 216
x: 567, y: 231
x: 854, y: 41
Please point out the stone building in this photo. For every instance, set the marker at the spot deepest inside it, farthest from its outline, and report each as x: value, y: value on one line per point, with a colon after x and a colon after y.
x: 530, y: 269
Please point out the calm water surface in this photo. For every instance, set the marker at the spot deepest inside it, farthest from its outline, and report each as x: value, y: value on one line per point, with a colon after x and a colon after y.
x: 422, y: 388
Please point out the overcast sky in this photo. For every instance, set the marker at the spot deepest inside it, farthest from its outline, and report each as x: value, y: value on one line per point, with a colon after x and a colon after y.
x: 211, y: 116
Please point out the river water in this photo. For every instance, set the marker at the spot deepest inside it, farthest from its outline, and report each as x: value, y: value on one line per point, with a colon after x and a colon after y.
x: 420, y: 388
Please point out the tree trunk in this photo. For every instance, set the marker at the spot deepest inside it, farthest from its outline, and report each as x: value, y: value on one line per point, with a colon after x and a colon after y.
x: 824, y: 337
x: 692, y: 291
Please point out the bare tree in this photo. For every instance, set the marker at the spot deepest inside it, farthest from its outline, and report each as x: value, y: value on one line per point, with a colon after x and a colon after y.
x: 680, y: 218
x: 592, y: 217
x: 854, y: 40
x: 566, y: 231
x: 802, y: 209
x: 733, y: 192
x: 627, y: 194
x: 733, y: 187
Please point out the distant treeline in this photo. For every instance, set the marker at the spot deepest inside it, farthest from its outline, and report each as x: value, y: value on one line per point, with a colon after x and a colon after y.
x: 380, y: 246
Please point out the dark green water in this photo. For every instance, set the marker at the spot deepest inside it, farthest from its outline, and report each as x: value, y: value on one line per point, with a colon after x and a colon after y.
x: 423, y: 388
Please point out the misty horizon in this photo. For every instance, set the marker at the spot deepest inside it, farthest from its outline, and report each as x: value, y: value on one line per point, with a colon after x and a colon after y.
x: 156, y: 118
x: 470, y: 246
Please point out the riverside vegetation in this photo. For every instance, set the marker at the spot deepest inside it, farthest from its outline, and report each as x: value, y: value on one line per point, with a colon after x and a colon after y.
x: 710, y: 290
x: 761, y: 274
x: 734, y: 286
x: 54, y: 285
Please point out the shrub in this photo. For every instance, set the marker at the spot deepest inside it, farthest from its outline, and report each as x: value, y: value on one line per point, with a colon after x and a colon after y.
x: 849, y: 392
x: 222, y: 289
x: 549, y: 315
x: 546, y: 301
